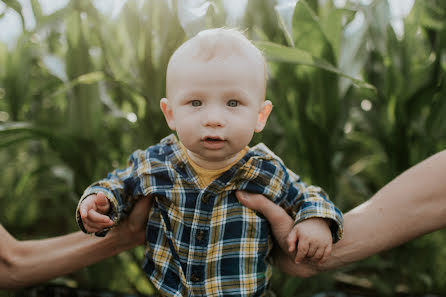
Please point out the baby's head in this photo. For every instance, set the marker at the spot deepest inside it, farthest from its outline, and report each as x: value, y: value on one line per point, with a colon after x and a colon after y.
x: 215, y: 88
x: 217, y: 44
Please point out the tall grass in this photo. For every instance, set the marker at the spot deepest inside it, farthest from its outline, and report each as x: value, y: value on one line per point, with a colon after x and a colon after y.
x: 354, y: 105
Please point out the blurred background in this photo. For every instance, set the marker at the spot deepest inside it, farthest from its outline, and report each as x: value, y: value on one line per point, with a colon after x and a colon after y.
x: 359, y: 96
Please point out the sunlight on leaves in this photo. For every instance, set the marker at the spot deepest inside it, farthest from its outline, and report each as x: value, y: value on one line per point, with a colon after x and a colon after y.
x: 285, y: 13
x: 279, y: 53
x: 235, y: 11
x: 192, y: 15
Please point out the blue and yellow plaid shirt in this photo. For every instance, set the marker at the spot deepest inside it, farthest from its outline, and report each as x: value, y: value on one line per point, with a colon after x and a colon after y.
x: 202, y: 241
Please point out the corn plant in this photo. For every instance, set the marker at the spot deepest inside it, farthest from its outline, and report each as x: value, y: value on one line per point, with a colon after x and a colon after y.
x: 355, y: 104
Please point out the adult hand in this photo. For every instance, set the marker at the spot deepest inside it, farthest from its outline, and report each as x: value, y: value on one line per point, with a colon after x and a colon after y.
x: 23, y: 263
x: 281, y: 223
x: 133, y: 228
x: 416, y: 198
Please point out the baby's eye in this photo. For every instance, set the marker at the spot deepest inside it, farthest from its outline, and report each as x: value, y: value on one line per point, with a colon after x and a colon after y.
x: 233, y: 103
x: 195, y: 103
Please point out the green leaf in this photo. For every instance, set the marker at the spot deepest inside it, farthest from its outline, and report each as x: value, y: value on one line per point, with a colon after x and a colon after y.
x: 16, y: 132
x: 52, y: 20
x: 37, y: 10
x: 331, y: 25
x: 433, y: 14
x: 285, y: 12
x: 308, y: 33
x: 279, y: 53
x: 84, y: 79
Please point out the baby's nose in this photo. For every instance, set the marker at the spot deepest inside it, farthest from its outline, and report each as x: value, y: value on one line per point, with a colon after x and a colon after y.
x: 214, y: 117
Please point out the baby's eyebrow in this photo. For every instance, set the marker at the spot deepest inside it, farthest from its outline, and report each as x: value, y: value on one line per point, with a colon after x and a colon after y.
x: 236, y: 92
x: 189, y: 94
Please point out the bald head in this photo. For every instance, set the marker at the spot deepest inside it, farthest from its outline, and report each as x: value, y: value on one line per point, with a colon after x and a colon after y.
x: 216, y: 44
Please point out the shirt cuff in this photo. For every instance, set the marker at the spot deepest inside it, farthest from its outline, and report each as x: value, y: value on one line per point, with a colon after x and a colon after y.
x: 331, y: 213
x: 113, y: 214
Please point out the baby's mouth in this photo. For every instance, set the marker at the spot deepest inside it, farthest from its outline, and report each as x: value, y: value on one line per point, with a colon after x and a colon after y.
x: 213, y: 139
x: 213, y: 142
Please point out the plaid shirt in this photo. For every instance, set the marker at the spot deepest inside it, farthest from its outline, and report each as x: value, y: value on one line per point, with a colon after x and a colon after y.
x: 203, y: 242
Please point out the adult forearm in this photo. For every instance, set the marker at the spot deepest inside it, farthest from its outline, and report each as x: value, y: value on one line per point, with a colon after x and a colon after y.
x: 411, y: 205
x: 23, y: 263
x: 36, y: 261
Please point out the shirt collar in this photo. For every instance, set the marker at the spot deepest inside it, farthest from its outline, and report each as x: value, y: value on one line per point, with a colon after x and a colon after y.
x: 246, y: 169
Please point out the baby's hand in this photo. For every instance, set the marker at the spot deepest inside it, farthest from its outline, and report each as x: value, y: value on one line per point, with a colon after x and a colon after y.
x: 93, y: 210
x: 313, y: 239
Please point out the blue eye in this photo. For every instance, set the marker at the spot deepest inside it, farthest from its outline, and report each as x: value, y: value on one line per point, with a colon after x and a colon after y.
x: 195, y: 103
x: 233, y: 103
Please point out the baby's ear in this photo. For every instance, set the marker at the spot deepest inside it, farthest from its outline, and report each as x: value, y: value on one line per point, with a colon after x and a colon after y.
x: 168, y: 113
x: 264, y: 112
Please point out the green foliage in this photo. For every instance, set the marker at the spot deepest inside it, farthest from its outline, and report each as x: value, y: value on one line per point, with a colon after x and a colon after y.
x: 354, y: 106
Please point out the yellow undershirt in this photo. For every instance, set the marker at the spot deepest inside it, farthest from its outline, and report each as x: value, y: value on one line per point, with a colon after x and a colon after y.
x: 206, y: 176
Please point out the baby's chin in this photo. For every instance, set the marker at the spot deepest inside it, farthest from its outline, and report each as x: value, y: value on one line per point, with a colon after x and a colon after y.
x: 213, y: 159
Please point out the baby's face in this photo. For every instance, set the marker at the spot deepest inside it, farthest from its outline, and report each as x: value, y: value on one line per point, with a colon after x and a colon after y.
x: 216, y: 106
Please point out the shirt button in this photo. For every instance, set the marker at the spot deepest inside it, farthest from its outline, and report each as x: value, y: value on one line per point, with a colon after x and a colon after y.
x: 206, y: 198
x: 195, y: 278
x: 200, y: 235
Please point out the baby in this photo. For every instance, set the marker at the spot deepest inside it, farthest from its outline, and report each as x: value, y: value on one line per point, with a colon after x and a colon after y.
x: 200, y: 240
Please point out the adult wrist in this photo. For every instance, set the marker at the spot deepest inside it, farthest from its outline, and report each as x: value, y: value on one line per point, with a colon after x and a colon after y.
x: 129, y: 235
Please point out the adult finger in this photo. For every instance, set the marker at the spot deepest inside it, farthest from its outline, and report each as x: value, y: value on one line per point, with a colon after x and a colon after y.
x: 250, y: 200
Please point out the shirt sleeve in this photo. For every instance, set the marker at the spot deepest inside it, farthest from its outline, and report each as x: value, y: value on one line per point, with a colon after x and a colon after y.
x: 307, y: 201
x: 122, y: 187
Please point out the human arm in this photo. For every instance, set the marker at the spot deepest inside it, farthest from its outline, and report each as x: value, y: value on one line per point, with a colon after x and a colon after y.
x: 23, y: 263
x: 411, y: 205
x: 308, y: 201
x: 281, y: 226
x: 104, y: 203
x: 318, y: 222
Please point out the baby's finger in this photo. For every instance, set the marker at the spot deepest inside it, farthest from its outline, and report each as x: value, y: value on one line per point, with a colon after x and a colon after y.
x: 312, y: 250
x: 318, y: 254
x: 102, y: 203
x: 85, y: 206
x: 327, y: 253
x: 83, y: 211
x: 90, y: 228
x: 98, y: 218
x: 95, y: 227
x: 292, y: 241
x: 302, y: 250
